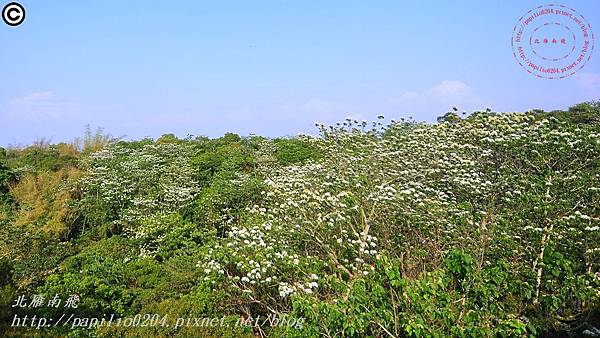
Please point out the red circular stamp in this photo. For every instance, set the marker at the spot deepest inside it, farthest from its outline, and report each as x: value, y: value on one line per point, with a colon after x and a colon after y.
x: 552, y: 41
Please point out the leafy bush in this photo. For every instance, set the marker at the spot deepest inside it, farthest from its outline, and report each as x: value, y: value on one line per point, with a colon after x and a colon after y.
x: 290, y: 151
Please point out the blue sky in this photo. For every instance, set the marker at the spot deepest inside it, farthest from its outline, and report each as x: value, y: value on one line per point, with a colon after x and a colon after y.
x: 142, y: 68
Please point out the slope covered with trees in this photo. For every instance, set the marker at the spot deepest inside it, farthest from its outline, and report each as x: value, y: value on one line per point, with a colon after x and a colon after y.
x: 486, y: 225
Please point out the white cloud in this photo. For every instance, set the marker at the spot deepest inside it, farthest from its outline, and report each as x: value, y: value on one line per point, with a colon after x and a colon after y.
x: 313, y: 107
x: 435, y: 101
x: 447, y: 90
x: 39, y: 96
x: 451, y: 88
x: 409, y: 95
x: 589, y: 83
x: 40, y: 106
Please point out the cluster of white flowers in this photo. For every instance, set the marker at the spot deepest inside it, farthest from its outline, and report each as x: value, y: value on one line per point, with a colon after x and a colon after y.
x: 153, y: 177
x: 145, y: 184
x: 212, y: 266
x: 412, y: 187
x: 286, y: 289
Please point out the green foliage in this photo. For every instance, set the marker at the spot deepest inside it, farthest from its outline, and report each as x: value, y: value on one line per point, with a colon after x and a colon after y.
x: 42, y: 157
x: 7, y: 289
x: 460, y: 265
x: 94, y: 140
x: 581, y: 113
x: 228, y: 154
x: 43, y: 202
x: 450, y: 117
x: 6, y: 176
x: 482, y: 226
x: 291, y: 151
x: 127, y: 182
x: 385, y: 303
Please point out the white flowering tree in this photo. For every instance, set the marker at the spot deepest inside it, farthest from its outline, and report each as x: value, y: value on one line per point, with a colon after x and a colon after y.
x: 134, y: 188
x: 509, y: 187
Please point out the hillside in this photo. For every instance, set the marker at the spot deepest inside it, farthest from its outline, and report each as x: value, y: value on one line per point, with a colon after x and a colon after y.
x: 482, y: 225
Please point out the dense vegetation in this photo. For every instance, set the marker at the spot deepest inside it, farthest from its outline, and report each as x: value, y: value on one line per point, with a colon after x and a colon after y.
x: 482, y: 225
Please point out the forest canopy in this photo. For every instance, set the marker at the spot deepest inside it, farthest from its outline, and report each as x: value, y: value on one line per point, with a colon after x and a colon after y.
x: 485, y: 224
